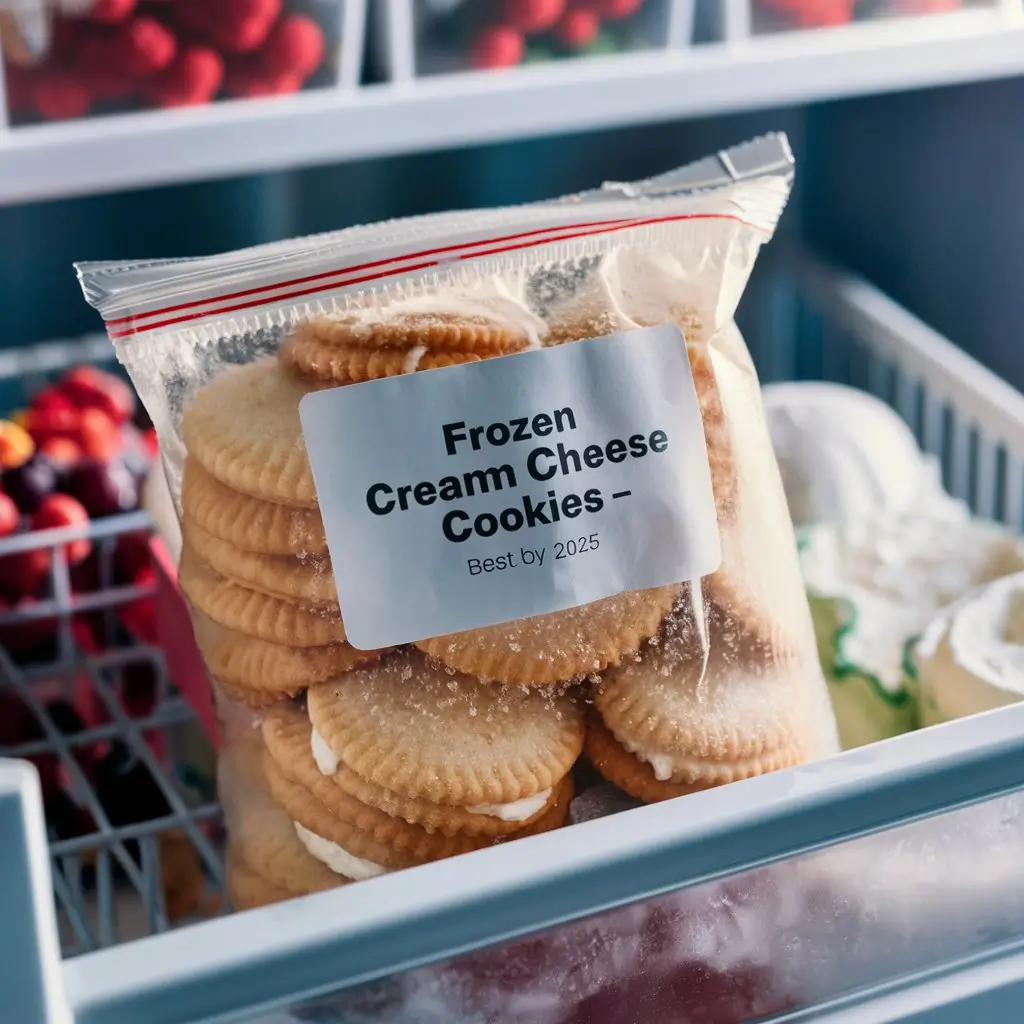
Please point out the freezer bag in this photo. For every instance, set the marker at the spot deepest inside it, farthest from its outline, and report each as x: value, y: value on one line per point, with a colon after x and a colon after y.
x: 470, y: 500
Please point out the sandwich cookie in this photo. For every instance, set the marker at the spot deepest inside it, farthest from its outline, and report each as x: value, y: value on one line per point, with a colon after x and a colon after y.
x: 357, y: 839
x: 703, y: 705
x: 263, y: 839
x: 415, y: 729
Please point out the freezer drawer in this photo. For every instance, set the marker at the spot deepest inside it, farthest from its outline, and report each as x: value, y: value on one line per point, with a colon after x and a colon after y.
x: 881, y: 884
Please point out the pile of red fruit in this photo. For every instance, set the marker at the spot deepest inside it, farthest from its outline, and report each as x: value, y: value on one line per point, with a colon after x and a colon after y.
x: 74, y: 455
x: 823, y: 13
x: 175, y: 54
x: 570, y: 25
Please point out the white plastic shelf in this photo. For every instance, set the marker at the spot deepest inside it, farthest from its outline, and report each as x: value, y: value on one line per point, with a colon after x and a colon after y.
x: 329, y: 126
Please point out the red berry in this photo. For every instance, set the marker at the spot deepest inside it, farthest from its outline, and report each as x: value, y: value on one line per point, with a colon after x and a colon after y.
x: 578, y: 28
x: 62, y: 452
x: 25, y: 573
x: 62, y: 510
x: 245, y: 80
x: 193, y: 77
x: 614, y: 10
x: 59, y: 95
x: 295, y: 46
x: 111, y: 11
x: 98, y: 435
x: 104, y: 489
x: 54, y: 421
x: 30, y: 483
x: 50, y: 399
x: 10, y: 517
x: 532, y: 16
x: 146, y: 46
x: 243, y: 25
x: 89, y: 388
x: 499, y: 46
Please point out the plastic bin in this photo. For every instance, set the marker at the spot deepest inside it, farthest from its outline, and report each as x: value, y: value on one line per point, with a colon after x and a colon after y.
x: 177, y: 53
x: 882, y: 884
x: 430, y: 37
x: 787, y: 15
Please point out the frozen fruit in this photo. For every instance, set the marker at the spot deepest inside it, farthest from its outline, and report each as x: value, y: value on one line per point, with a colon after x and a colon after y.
x: 88, y: 388
x: 144, y: 46
x: 16, y: 445
x: 10, y: 516
x: 52, y: 420
x: 243, y: 25
x: 52, y: 398
x: 62, y: 452
x: 30, y: 482
x: 578, y: 27
x: 499, y: 46
x: 295, y: 46
x: 615, y: 9
x: 98, y: 435
x: 193, y: 77
x: 104, y: 489
x: 58, y: 510
x: 132, y: 558
x: 532, y: 16
x: 58, y: 94
x: 23, y: 575
x: 111, y: 11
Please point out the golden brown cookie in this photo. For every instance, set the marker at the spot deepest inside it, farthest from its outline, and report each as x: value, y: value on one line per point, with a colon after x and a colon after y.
x: 307, y: 580
x: 248, y: 522
x: 240, y: 661
x: 559, y: 646
x: 416, y: 729
x: 318, y: 804
x: 621, y: 768
x: 255, y: 614
x: 437, y: 330
x: 247, y: 889
x: 243, y: 429
x: 288, y: 734
x: 260, y: 832
x: 742, y: 709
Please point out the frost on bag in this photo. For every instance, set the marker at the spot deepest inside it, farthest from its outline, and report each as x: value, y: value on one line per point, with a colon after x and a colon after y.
x: 439, y: 593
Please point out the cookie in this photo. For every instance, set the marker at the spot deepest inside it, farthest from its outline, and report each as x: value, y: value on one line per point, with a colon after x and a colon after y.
x: 241, y: 661
x: 351, y: 364
x: 559, y: 646
x: 622, y: 769
x: 437, y: 330
x: 247, y: 522
x: 288, y: 735
x: 428, y: 734
x: 247, y: 889
x: 316, y: 803
x: 261, y: 834
x: 243, y: 429
x: 742, y: 710
x: 252, y: 613
x: 251, y: 697
x: 307, y: 580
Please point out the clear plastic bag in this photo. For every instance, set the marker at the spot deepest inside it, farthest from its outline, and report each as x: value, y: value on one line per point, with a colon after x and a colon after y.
x: 441, y: 593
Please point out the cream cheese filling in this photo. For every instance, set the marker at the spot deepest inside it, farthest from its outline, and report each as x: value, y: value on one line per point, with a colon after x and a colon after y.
x: 336, y: 857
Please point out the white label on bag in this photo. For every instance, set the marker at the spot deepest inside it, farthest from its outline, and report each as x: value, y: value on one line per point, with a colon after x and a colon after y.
x: 477, y: 494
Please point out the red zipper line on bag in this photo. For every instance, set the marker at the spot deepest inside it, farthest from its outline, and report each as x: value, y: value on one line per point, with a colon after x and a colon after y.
x: 359, y: 267
x: 573, y: 232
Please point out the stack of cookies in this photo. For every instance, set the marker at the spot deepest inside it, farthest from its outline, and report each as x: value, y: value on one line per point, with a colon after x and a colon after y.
x: 369, y: 762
